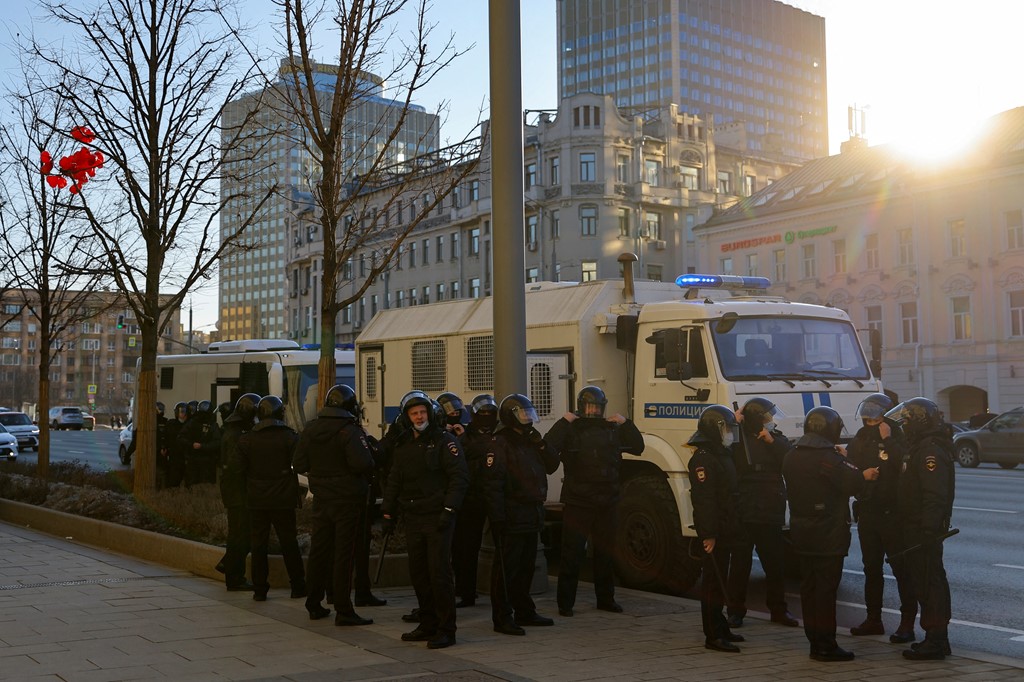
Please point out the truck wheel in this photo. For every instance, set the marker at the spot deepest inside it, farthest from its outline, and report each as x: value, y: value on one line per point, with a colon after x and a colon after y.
x: 652, y: 553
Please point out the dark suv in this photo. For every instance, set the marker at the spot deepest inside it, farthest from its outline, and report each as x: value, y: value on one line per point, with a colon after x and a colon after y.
x: 1000, y: 440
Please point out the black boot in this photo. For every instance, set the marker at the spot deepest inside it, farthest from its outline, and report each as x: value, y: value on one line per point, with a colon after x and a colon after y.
x: 931, y: 649
x: 905, y: 632
x: 368, y: 599
x: 872, y: 625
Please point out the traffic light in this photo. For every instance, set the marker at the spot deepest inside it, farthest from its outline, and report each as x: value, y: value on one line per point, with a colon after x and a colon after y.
x: 120, y: 321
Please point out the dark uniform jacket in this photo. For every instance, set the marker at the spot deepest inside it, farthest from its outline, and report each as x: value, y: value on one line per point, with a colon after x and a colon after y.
x: 428, y: 473
x: 266, y: 454
x: 713, y: 490
x: 201, y: 429
x: 926, y: 487
x: 820, y: 482
x: 172, y: 430
x: 232, y: 475
x: 591, y: 454
x: 334, y: 450
x: 517, y: 480
x: 477, y: 446
x: 867, y: 450
x: 762, y: 490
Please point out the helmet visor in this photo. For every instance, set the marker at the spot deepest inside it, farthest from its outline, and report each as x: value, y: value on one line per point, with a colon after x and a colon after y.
x: 525, y: 415
x: 868, y: 409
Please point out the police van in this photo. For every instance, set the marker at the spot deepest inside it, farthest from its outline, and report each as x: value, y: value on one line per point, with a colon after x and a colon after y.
x: 661, y: 352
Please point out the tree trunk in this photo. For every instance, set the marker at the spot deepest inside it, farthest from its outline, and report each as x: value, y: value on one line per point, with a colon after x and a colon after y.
x: 144, y: 422
x: 43, y: 415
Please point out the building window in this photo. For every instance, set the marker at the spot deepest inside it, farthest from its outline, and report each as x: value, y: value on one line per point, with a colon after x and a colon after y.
x: 440, y: 291
x: 957, y: 239
x: 749, y: 185
x: 412, y: 254
x: 725, y: 266
x: 11, y: 309
x: 1017, y: 313
x: 808, y: 265
x: 426, y: 295
x: 426, y: 252
x: 455, y: 290
x: 588, y: 220
x: 724, y: 182
x: 751, y: 265
x: 1014, y: 229
x: 871, y: 250
x: 839, y: 256
x: 474, y: 241
x: 440, y: 248
x: 531, y: 230
x: 624, y: 222
x: 652, y: 173
x: 906, y: 247
x: 556, y: 228
x: 908, y: 322
x: 588, y: 167
x: 474, y: 287
x: 779, y: 263
x: 688, y: 177
x: 474, y: 190
x: 622, y: 168
x: 532, y: 275
x: 455, y: 245
x: 873, y: 314
x: 652, y: 225
x: 530, y: 176
x: 588, y: 271
x: 412, y: 296
x: 654, y: 273
x: 374, y: 305
x: 962, y: 318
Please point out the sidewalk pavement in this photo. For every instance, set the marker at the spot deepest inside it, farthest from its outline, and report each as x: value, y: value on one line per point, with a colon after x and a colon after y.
x: 72, y: 612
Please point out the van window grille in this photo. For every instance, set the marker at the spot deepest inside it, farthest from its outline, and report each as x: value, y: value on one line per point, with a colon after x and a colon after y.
x: 428, y: 365
x: 480, y: 363
x: 370, y: 378
x: 540, y: 389
x: 166, y: 378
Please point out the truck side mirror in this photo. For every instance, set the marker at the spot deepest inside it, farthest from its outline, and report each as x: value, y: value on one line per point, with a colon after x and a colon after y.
x: 678, y: 371
x: 728, y: 321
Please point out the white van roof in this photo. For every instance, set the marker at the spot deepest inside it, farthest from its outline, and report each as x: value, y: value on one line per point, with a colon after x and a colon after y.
x: 247, y: 345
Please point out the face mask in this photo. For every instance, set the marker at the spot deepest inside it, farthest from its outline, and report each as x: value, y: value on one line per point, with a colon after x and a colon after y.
x: 728, y: 438
x: 421, y: 427
x: 770, y: 426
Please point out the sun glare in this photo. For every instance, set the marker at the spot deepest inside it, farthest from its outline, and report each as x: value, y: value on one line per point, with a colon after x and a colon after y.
x: 938, y: 139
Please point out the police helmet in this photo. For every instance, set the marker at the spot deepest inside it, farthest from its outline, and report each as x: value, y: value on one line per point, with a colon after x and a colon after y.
x: 485, y: 411
x: 159, y: 409
x: 224, y: 409
x: 455, y: 412
x: 414, y: 399
x: 825, y: 422
x: 180, y: 410
x: 245, y: 408
x: 594, y: 398
x: 758, y: 413
x: 874, y: 406
x: 438, y: 418
x: 516, y: 410
x: 192, y: 407
x: 920, y: 416
x: 718, y: 424
x: 270, y: 407
x: 343, y: 397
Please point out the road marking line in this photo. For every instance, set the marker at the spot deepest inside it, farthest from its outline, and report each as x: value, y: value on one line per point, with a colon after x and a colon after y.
x: 76, y: 452
x: 1009, y: 566
x: 884, y: 575
x: 994, y: 511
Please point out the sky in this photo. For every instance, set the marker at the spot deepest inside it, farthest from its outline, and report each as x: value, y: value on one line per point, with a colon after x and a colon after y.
x: 927, y: 72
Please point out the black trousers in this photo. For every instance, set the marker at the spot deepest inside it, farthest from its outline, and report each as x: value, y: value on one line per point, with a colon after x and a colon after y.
x: 932, y: 589
x: 515, y: 559
x: 767, y: 539
x: 599, y: 525
x: 283, y: 523
x: 469, y: 533
x: 238, y: 545
x: 175, y: 469
x: 880, y: 536
x: 430, y: 567
x: 818, y: 589
x: 362, y: 558
x: 714, y: 568
x: 331, y: 553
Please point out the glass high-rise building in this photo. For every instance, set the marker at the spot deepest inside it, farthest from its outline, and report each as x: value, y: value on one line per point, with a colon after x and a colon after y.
x: 759, y: 62
x: 253, y: 281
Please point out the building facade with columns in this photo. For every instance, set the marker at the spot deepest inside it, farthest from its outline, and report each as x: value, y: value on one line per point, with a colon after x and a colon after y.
x: 930, y: 255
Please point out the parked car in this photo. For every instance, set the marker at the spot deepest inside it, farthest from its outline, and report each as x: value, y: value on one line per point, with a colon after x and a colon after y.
x: 88, y: 421
x: 65, y: 418
x: 21, y: 427
x: 1000, y: 440
x: 124, y: 439
x: 8, y: 445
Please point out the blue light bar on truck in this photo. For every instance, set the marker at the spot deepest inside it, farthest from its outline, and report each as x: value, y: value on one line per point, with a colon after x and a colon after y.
x: 722, y: 282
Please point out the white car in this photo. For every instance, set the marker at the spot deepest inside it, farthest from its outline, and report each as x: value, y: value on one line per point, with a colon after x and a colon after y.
x: 124, y: 439
x: 8, y: 445
x: 21, y: 427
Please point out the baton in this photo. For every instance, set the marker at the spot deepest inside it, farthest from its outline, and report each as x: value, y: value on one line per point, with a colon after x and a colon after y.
x: 380, y: 560
x: 899, y: 555
x: 718, y: 574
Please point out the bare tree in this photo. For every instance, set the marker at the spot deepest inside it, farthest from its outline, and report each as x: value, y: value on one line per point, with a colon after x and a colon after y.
x: 152, y: 79
x: 357, y: 153
x: 49, y: 251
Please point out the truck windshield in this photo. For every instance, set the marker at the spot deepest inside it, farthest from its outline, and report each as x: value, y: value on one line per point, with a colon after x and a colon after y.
x: 301, y: 385
x: 758, y: 348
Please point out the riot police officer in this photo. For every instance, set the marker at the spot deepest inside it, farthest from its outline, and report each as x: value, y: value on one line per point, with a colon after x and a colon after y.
x: 175, y: 447
x: 200, y: 439
x: 590, y: 448
x: 926, y: 492
x: 713, y: 493
x: 334, y: 451
x: 427, y: 483
x: 233, y: 492
x: 820, y: 481
x: 273, y: 494
x: 762, y: 511
x: 478, y: 443
x: 517, y: 487
x: 456, y: 415
x: 879, y: 443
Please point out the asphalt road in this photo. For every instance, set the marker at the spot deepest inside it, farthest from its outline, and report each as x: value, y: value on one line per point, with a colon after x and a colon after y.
x: 985, y: 562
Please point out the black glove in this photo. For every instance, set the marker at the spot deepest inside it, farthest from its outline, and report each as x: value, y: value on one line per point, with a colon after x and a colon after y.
x: 387, y: 526
x: 446, y: 519
x: 533, y: 435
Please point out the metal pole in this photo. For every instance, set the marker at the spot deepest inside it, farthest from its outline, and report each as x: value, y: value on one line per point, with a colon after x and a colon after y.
x: 507, y: 213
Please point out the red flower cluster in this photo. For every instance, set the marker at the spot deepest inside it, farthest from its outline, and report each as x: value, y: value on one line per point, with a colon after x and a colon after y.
x: 79, y: 167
